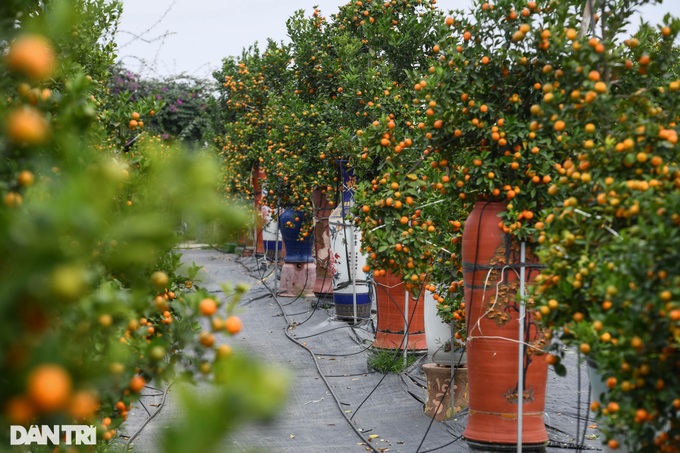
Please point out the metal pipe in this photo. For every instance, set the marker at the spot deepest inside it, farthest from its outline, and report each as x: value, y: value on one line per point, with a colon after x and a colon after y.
x: 353, y: 272
x: 406, y: 297
x: 520, y: 369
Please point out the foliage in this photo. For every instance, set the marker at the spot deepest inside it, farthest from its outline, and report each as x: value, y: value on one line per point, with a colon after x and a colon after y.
x: 496, y: 64
x: 125, y: 105
x: 404, y: 183
x: 93, y: 300
x: 246, y: 85
x: 339, y: 79
x: 610, y: 286
x: 402, y: 212
x: 400, y: 34
x: 389, y: 361
x: 178, y: 108
x: 512, y: 101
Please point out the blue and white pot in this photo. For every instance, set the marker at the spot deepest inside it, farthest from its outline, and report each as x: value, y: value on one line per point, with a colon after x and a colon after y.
x: 298, y: 249
x: 350, y: 282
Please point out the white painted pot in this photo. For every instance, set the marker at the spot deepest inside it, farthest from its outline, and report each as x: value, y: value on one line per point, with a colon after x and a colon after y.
x: 271, y: 235
x: 442, y: 347
x: 350, y: 282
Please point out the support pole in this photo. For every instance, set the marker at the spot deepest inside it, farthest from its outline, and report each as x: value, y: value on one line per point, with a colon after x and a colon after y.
x: 255, y: 237
x: 520, y: 369
x: 453, y: 365
x: 276, y: 251
x: 353, y: 272
x: 406, y: 297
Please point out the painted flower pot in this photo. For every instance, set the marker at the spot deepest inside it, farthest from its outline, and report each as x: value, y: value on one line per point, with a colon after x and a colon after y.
x: 271, y: 235
x: 298, y: 248
x: 351, y: 294
x: 398, y: 309
x: 299, y: 272
x: 491, y: 268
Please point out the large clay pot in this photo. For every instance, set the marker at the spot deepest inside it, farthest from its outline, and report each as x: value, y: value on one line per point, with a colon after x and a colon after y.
x: 258, y: 178
x: 351, y: 294
x: 323, y: 285
x: 491, y: 267
x: 393, y: 315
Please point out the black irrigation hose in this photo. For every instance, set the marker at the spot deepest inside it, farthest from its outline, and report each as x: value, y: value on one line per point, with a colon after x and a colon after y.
x: 429, y: 426
x: 408, y: 320
x: 456, y: 439
x: 346, y: 355
x: 318, y: 368
x: 580, y: 446
x: 326, y: 331
x: 571, y: 446
x: 323, y: 377
x: 349, y: 419
x: 151, y: 417
x: 396, y: 355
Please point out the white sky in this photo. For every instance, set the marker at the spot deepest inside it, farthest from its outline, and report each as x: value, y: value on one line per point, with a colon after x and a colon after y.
x: 159, y: 38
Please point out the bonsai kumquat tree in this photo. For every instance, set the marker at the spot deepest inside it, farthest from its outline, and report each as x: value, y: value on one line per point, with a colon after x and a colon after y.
x: 610, y: 286
x: 246, y: 85
x: 496, y: 63
x: 94, y: 304
x: 298, y: 161
x: 403, y: 183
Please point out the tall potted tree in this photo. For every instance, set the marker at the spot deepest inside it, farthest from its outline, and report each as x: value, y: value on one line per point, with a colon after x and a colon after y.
x: 386, y: 43
x: 245, y: 85
x: 610, y: 286
x: 495, y: 64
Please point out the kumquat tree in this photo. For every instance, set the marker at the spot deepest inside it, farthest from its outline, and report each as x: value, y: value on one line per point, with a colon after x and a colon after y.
x: 95, y: 303
x: 245, y: 86
x: 574, y: 128
x: 610, y: 286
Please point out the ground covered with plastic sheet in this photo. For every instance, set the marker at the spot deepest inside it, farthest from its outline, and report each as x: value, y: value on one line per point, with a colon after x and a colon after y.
x: 336, y: 402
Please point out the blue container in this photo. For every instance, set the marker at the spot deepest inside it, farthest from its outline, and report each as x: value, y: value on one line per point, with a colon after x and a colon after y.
x: 298, y: 249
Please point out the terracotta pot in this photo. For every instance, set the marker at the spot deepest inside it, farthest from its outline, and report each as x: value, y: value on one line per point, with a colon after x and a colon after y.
x: 322, y: 244
x: 491, y: 267
x: 391, y: 301
x: 258, y: 178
